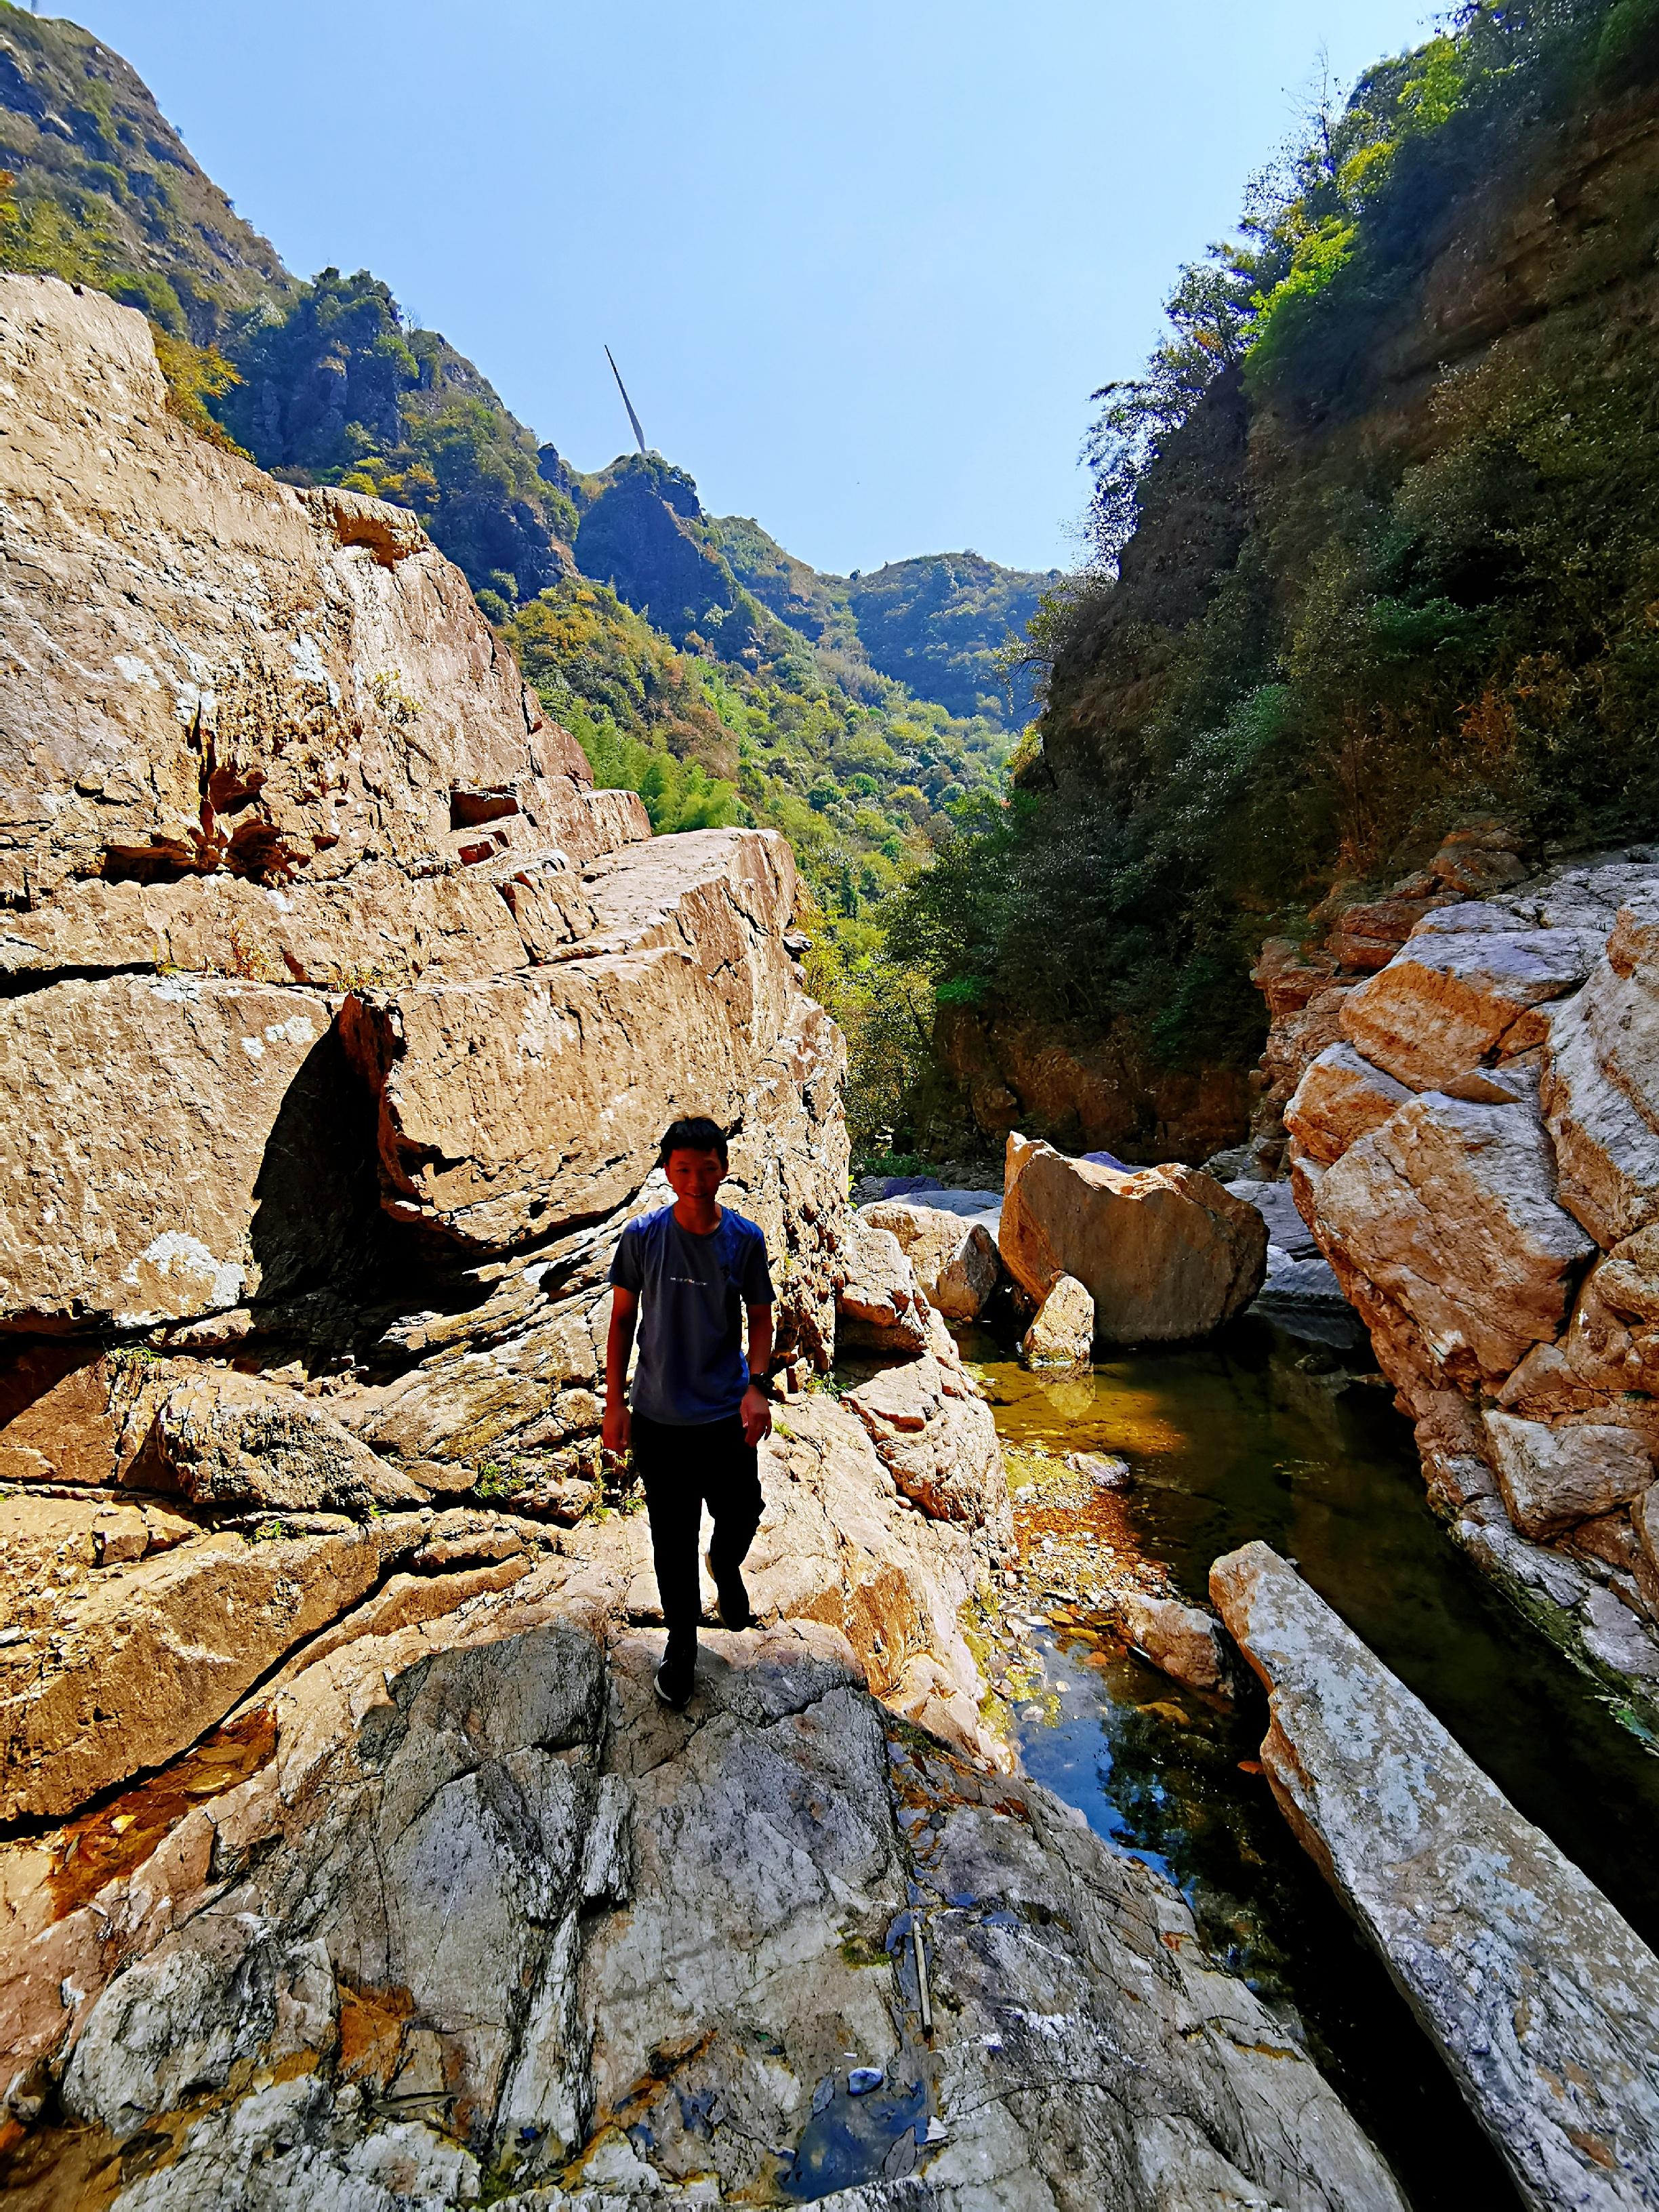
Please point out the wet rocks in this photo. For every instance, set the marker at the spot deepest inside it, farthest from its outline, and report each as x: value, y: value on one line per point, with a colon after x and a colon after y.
x: 1062, y: 1332
x: 1166, y: 1253
x: 1182, y: 1641
x: 1540, y: 1996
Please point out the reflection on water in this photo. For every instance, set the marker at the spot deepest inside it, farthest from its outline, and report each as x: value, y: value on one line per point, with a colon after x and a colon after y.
x: 1246, y: 1438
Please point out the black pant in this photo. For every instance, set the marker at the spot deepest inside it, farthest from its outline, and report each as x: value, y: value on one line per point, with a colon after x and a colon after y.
x: 682, y: 1467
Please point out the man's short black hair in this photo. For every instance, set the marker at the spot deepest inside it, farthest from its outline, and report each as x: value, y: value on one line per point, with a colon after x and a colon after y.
x: 696, y: 1133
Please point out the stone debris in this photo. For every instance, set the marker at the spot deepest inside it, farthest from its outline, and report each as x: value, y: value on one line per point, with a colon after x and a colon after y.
x: 1540, y: 1996
x: 1166, y: 1253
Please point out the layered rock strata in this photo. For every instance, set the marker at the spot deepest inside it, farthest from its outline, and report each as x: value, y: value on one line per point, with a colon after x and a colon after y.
x: 1477, y: 1154
x: 1541, y: 1998
x: 347, y: 1858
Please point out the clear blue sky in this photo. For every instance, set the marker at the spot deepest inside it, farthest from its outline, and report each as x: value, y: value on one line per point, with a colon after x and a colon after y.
x: 862, y: 261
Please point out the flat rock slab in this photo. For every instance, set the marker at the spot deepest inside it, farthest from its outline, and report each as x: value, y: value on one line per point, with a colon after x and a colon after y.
x: 479, y: 1911
x: 1543, y: 2000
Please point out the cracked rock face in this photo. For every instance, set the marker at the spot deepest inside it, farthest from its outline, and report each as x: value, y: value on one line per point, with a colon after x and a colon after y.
x: 1541, y: 1998
x: 955, y: 1261
x: 401, y: 1954
x: 1479, y: 1160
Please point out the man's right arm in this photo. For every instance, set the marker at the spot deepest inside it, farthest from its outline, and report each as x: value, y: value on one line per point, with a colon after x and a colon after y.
x: 618, y: 1344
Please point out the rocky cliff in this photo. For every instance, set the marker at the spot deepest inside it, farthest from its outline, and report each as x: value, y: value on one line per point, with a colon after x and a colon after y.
x: 1467, y: 1084
x: 1376, y: 540
x: 344, y: 1855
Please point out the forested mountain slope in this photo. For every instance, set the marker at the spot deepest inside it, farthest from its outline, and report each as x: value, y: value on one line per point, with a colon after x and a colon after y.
x: 1378, y: 552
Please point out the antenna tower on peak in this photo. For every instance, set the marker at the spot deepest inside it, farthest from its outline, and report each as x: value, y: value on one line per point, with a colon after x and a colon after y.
x: 627, y: 401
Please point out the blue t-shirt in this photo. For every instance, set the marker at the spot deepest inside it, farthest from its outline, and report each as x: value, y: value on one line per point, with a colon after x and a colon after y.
x: 692, y: 1292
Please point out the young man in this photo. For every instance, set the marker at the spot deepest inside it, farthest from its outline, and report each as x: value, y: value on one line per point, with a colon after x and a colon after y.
x: 686, y: 1275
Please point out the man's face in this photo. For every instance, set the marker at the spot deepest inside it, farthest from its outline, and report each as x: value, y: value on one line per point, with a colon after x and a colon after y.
x: 694, y: 1174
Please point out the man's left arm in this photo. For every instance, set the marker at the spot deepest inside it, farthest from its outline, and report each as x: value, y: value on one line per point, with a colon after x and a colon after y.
x: 755, y: 1411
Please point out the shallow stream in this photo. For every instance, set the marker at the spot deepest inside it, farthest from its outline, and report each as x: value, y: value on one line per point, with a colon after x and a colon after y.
x: 1257, y: 1435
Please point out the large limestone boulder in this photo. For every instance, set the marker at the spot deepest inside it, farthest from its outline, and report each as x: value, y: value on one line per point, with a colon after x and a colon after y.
x: 155, y: 1157
x: 1342, y: 1099
x: 936, y: 1436
x: 1538, y: 1996
x: 1600, y: 1089
x: 244, y: 681
x: 954, y: 1261
x: 509, y: 1105
x: 1166, y: 1253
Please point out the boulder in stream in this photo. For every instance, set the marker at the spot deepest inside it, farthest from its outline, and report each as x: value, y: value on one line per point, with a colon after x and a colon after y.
x: 1541, y: 1998
x: 1166, y: 1253
x: 1063, y: 1332
x: 954, y: 1259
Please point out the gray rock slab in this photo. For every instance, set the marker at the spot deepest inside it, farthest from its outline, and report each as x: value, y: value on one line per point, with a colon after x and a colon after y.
x: 1541, y: 1999
x: 972, y: 1205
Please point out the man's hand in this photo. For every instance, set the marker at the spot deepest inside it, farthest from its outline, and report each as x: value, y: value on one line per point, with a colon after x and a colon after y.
x: 755, y: 1414
x: 613, y: 1430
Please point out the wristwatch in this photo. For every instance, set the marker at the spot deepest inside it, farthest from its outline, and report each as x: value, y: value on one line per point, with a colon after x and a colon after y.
x: 761, y: 1383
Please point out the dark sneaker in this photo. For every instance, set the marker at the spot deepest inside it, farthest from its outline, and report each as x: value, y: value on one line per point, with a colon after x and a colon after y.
x: 731, y: 1598
x: 676, y: 1677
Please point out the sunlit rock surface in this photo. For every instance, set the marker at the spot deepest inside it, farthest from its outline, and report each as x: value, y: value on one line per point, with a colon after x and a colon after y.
x: 473, y: 1910
x: 1479, y: 1160
x: 1541, y: 1998
x: 1166, y: 1253
x: 351, y: 1862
